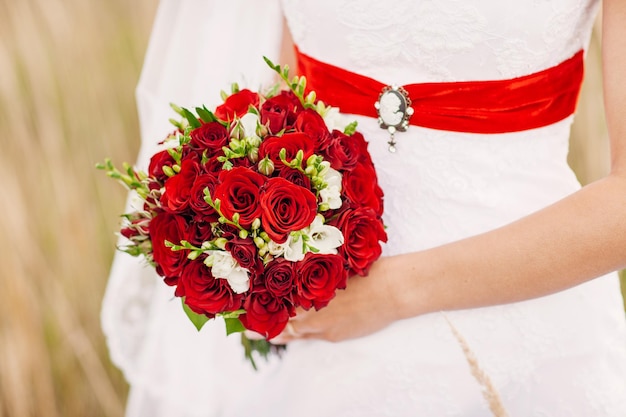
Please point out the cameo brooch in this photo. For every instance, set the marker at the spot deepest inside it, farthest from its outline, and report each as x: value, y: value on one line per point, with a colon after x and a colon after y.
x: 394, y: 111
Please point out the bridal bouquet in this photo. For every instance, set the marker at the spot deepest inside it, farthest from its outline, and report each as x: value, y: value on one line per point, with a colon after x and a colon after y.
x: 256, y: 207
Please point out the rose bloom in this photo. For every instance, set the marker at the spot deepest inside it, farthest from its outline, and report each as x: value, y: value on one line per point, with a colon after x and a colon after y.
x: 198, y: 232
x: 318, y: 277
x: 211, y: 137
x: 197, y: 203
x: 292, y: 142
x: 361, y: 186
x: 172, y: 228
x: 279, y: 112
x: 236, y: 105
x: 157, y: 162
x: 362, y: 230
x: 343, y: 151
x: 310, y: 122
x: 296, y: 177
x: 266, y: 314
x: 279, y: 277
x: 285, y: 208
x: 244, y: 251
x: 238, y: 192
x: 177, y: 192
x: 205, y: 294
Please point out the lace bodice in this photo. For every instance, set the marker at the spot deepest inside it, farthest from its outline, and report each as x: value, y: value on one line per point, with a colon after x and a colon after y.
x: 407, y: 41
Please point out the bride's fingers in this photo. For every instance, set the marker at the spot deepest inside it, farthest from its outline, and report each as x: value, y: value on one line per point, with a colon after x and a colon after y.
x: 253, y: 335
x: 289, y: 334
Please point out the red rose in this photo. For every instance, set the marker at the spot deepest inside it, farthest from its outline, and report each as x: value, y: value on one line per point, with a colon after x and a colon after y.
x: 244, y: 251
x: 310, y: 122
x: 319, y: 276
x: 364, y: 155
x: 343, y: 151
x: 238, y: 192
x: 172, y: 228
x: 211, y: 137
x: 212, y: 166
x: 360, y: 186
x: 279, y: 277
x: 265, y: 314
x: 292, y: 142
x: 286, y: 207
x: 362, y: 230
x: 196, y: 199
x: 280, y: 112
x: 295, y: 177
x: 199, y: 232
x: 205, y: 294
x: 177, y: 192
x: 237, y: 105
x: 157, y: 162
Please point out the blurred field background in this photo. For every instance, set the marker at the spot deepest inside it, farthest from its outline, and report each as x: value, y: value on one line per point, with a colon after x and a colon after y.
x: 68, y: 71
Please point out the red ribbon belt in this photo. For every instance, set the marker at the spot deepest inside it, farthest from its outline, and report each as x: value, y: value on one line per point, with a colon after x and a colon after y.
x: 497, y: 106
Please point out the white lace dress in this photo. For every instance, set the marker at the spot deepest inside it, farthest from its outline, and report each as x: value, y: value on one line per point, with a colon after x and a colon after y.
x: 560, y: 355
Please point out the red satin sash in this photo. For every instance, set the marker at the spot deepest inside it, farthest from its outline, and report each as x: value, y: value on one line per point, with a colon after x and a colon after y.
x: 498, y: 106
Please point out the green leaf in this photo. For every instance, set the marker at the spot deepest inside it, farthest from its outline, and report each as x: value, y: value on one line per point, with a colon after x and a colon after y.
x: 193, y: 120
x: 233, y: 325
x: 205, y: 115
x: 198, y: 320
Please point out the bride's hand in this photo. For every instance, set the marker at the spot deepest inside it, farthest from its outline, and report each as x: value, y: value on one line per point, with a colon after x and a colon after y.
x: 364, y: 307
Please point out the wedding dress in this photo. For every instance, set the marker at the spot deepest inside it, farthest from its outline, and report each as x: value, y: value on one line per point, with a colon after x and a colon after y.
x: 559, y: 355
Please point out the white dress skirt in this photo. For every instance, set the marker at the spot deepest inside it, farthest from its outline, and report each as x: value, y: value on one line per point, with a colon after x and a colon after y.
x: 559, y: 355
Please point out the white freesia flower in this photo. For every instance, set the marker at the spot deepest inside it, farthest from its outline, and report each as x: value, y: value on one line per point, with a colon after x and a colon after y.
x: 249, y: 123
x: 333, y: 119
x: 326, y: 239
x: 224, y: 266
x: 331, y: 194
x: 294, y: 248
x: 276, y: 249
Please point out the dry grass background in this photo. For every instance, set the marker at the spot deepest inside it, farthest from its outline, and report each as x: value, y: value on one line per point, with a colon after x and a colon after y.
x: 68, y: 70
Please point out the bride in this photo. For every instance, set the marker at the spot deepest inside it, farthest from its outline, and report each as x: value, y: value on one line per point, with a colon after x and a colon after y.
x: 488, y: 228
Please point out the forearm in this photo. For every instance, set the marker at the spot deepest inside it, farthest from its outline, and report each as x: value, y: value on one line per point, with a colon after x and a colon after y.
x: 572, y: 241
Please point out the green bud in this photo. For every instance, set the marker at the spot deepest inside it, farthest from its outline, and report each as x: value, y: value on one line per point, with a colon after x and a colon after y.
x: 310, y: 98
x: 167, y: 170
x: 263, y: 251
x: 243, y: 234
x: 266, y: 166
x: 262, y: 131
x: 324, y: 168
x: 310, y: 170
x: 265, y: 236
x: 259, y: 242
x: 220, y: 242
x: 176, y: 168
x: 324, y: 207
x: 253, y: 155
x: 282, y: 154
x: 256, y: 223
x: 236, y: 218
